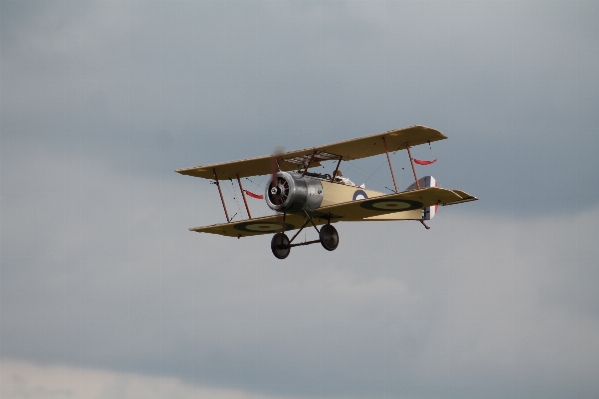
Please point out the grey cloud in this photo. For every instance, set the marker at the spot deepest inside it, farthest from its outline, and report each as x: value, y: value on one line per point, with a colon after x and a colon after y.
x: 244, y: 78
x: 102, y: 100
x: 396, y: 310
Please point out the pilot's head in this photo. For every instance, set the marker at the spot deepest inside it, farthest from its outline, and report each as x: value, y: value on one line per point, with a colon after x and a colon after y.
x: 338, y: 173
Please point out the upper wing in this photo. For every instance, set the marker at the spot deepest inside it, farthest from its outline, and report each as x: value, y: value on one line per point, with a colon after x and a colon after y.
x: 368, y: 146
x: 349, y: 149
x: 248, y: 167
x: 405, y: 205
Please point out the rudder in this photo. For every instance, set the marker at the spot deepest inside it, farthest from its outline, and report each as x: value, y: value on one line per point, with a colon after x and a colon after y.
x: 427, y: 181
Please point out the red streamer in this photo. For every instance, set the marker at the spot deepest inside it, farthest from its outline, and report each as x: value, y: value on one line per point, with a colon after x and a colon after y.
x: 422, y: 162
x: 251, y: 194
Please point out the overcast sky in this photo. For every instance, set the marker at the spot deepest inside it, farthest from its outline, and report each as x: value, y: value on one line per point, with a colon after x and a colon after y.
x: 104, y: 293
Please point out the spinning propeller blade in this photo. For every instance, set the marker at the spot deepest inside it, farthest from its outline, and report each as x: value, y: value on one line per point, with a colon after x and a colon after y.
x: 274, y: 168
x: 274, y: 165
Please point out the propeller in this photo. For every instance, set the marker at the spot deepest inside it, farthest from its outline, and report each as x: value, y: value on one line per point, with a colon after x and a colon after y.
x: 279, y: 193
x: 274, y: 165
x: 274, y: 182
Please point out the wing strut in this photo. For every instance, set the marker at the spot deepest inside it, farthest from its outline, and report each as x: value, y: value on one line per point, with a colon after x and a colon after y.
x: 308, y: 164
x: 390, y: 167
x: 221, y: 195
x: 247, y: 208
x: 336, y: 169
x: 412, y: 163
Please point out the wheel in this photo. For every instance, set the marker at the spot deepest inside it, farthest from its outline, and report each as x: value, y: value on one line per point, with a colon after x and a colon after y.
x: 329, y: 237
x: 280, y: 245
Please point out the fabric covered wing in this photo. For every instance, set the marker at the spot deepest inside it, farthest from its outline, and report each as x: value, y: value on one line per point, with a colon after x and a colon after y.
x: 372, y: 145
x: 264, y: 225
x: 246, y: 167
x: 402, y: 206
x: 349, y: 150
x: 410, y: 202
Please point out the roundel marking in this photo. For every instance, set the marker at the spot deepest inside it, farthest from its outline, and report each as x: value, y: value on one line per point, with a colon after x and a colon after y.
x: 262, y: 227
x: 359, y: 195
x: 392, y: 205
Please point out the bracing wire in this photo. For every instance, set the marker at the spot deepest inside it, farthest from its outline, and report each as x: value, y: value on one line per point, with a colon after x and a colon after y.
x: 231, y: 191
x: 433, y: 157
x: 257, y: 187
x: 401, y: 176
x: 367, y: 173
x: 261, y: 187
x: 262, y: 181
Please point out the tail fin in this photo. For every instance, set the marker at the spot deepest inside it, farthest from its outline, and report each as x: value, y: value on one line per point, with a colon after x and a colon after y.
x: 427, y: 181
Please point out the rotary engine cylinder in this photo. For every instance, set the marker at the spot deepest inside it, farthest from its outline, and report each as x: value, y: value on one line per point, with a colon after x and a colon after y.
x: 292, y: 193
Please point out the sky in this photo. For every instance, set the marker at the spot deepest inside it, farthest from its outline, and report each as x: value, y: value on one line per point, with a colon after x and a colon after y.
x: 104, y: 293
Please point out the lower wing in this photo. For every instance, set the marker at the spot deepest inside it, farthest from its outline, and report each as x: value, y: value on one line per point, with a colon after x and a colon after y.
x: 407, y: 205
x: 264, y: 225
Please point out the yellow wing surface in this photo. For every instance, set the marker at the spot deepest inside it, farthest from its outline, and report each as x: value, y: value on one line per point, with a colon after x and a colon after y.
x: 401, y: 206
x: 349, y: 150
x: 252, y: 227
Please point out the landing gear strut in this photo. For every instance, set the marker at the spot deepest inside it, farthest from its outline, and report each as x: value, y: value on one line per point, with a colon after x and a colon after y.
x: 328, y: 238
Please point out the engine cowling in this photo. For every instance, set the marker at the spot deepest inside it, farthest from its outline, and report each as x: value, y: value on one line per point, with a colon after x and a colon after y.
x: 292, y: 193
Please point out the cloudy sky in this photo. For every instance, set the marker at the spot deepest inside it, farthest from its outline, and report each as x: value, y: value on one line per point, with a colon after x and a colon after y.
x: 105, y: 293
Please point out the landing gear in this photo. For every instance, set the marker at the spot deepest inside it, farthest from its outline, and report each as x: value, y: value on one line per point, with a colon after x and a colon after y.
x: 329, y: 238
x: 280, y: 245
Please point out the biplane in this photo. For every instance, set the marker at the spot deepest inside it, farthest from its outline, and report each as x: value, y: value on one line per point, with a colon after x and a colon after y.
x: 302, y: 198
